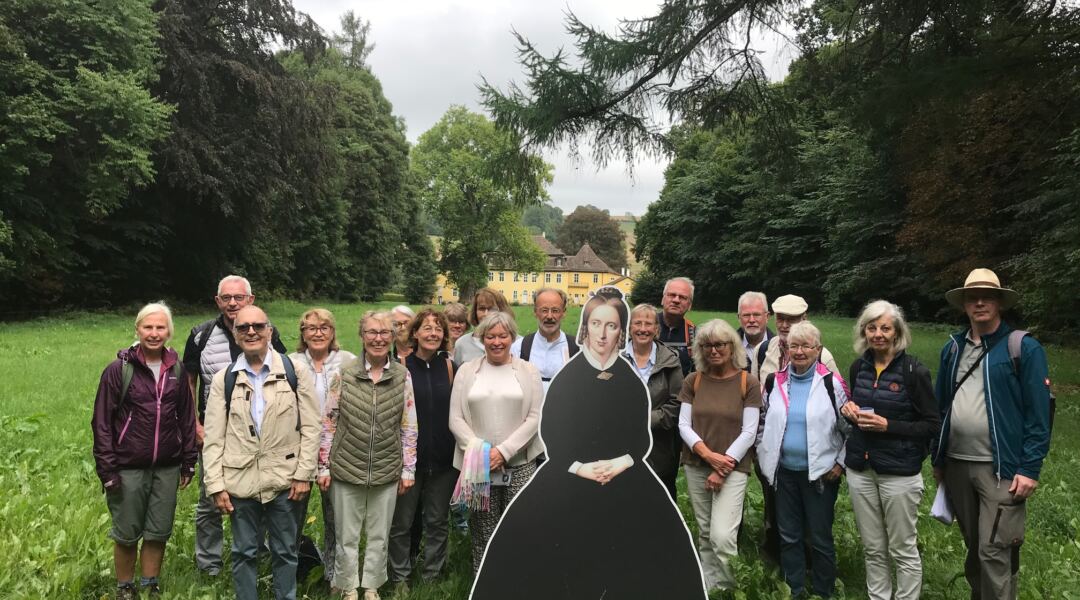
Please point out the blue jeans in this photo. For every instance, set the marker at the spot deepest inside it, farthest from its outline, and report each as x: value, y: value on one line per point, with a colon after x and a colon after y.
x: 251, y: 522
x: 806, y: 507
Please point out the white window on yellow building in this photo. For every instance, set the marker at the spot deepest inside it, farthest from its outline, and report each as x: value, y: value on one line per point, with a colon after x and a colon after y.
x: 576, y: 277
x: 491, y: 275
x: 547, y: 277
x: 534, y: 277
x: 596, y: 278
x: 502, y: 275
x: 558, y: 278
x: 516, y: 276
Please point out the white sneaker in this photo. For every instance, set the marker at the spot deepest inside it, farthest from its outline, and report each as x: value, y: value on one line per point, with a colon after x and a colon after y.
x: 370, y: 594
x: 349, y: 595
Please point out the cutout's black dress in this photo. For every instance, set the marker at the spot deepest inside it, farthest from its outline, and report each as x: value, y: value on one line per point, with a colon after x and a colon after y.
x: 566, y: 537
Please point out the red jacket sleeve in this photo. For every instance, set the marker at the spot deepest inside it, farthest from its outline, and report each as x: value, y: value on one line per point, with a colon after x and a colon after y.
x: 105, y: 404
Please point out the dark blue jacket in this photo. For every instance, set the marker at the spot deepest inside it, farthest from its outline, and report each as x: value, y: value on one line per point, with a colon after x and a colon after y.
x: 903, y: 394
x: 1017, y: 404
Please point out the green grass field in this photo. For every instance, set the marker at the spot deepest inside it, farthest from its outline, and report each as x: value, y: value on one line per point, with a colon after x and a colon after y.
x: 53, y: 519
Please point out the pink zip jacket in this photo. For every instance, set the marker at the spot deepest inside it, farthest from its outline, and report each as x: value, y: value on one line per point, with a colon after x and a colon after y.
x: 155, y: 424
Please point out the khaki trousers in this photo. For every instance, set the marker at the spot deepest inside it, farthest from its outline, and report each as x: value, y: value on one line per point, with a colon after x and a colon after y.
x: 992, y: 523
x: 718, y: 515
x: 886, y: 510
x: 358, y: 508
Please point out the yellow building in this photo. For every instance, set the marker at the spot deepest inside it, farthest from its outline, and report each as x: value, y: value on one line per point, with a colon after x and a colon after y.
x: 576, y: 275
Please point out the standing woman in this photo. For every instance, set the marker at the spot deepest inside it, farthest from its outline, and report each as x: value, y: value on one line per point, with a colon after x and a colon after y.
x: 494, y: 414
x: 319, y: 350
x: 895, y: 412
x: 432, y: 376
x: 485, y: 301
x: 718, y: 422
x: 457, y: 318
x: 368, y: 455
x: 144, y: 447
x: 801, y: 449
x: 660, y: 370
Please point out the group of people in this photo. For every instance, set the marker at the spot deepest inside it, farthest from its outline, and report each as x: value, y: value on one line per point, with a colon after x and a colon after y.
x: 432, y: 415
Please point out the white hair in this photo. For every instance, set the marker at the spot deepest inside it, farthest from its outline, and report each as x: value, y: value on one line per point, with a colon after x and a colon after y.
x: 153, y: 309
x: 874, y: 311
x: 804, y: 331
x: 495, y: 319
x: 405, y: 310
x: 685, y: 280
x: 232, y: 278
x: 749, y: 297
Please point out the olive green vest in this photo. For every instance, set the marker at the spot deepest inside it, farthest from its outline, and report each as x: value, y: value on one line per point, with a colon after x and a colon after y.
x: 367, y: 444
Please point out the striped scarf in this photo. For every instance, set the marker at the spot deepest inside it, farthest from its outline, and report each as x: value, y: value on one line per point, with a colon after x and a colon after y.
x: 473, y: 487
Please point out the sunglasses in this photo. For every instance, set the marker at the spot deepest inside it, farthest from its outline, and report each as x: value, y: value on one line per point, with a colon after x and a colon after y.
x: 258, y: 327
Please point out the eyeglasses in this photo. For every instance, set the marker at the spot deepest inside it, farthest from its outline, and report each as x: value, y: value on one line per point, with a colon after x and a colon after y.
x: 323, y: 329
x: 258, y: 327
x: 754, y: 315
x: 549, y: 311
x: 801, y: 347
x: 378, y: 333
x: 715, y: 346
x: 230, y: 298
x: 430, y: 329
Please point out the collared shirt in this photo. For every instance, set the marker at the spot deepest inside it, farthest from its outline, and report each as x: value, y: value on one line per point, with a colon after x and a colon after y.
x: 675, y: 338
x: 547, y: 357
x: 642, y: 372
x: 752, y: 352
x: 258, y: 405
x: 969, y: 429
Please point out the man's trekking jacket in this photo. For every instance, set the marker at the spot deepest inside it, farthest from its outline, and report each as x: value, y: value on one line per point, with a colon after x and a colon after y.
x: 1017, y: 403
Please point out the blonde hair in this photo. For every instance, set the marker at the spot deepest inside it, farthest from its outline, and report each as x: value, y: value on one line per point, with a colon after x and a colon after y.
x: 805, y: 331
x: 319, y: 315
x: 152, y: 309
x: 494, y: 319
x: 712, y: 331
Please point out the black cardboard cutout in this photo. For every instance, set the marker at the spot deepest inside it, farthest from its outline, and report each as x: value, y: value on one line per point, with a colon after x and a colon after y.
x: 568, y: 537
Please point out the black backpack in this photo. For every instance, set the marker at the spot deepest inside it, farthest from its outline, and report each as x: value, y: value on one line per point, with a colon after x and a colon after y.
x: 290, y: 376
x: 770, y: 381
x: 527, y: 342
x: 127, y: 373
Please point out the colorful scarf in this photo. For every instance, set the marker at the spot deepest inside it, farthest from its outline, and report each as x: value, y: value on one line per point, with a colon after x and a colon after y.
x: 473, y: 487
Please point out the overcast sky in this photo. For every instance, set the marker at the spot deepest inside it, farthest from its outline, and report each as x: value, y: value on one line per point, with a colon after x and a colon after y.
x: 430, y: 54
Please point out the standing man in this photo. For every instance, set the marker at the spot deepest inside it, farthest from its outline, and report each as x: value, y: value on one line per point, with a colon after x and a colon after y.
x: 789, y: 310
x: 754, y: 329
x: 676, y: 331
x: 994, y: 395
x: 261, y: 452
x: 210, y: 348
x: 548, y: 348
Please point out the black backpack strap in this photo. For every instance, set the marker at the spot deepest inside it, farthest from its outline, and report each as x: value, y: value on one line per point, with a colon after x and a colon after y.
x: 526, y: 346
x: 230, y: 384
x: 290, y: 376
x: 127, y: 373
x: 204, y: 335
x: 829, y: 387
x: 770, y: 381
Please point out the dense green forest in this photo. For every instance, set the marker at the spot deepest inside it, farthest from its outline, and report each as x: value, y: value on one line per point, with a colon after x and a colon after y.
x: 148, y: 148
x: 910, y: 142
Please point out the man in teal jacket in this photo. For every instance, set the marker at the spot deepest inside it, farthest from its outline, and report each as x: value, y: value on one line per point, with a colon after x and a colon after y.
x: 995, y: 433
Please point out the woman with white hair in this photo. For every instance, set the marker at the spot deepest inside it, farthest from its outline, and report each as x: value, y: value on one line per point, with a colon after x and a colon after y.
x: 801, y: 451
x: 895, y: 412
x: 144, y: 447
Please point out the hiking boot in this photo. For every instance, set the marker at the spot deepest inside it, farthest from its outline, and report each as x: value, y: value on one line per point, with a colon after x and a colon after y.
x: 370, y: 594
x: 127, y: 591
x: 349, y: 595
x: 153, y: 591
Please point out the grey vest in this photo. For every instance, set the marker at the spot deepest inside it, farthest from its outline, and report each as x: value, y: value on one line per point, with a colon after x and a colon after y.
x: 367, y: 444
x: 214, y: 357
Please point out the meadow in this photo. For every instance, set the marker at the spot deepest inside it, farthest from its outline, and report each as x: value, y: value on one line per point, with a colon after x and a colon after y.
x: 53, y: 519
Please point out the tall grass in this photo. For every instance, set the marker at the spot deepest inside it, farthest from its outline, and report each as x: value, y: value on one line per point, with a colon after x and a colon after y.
x: 53, y: 519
